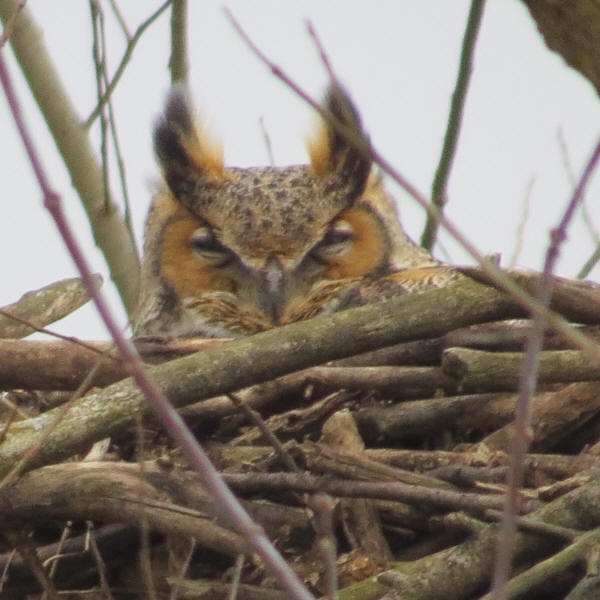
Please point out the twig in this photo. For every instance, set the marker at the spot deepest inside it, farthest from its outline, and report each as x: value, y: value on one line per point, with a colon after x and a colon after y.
x: 55, y: 334
x: 60, y: 336
x: 251, y: 483
x: 100, y: 564
x: 38, y: 308
x: 185, y: 565
x: 587, y: 218
x: 34, y: 448
x: 323, y: 506
x: 270, y: 437
x: 115, y: 8
x: 237, y: 575
x: 519, y: 236
x: 440, y: 182
x: 131, y: 43
x: 561, y: 562
x: 589, y: 264
x: 493, y: 272
x: 112, y: 124
x: 99, y: 60
x: 197, y: 458
x: 30, y: 557
x: 527, y: 385
x: 527, y: 524
x: 73, y: 143
x: 178, y: 63
x: 267, y: 139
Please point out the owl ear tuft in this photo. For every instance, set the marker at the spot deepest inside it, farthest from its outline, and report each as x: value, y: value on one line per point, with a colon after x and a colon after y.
x: 184, y: 150
x: 342, y: 149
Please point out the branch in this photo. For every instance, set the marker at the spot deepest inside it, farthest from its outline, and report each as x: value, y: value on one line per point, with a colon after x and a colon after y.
x: 178, y: 63
x: 440, y: 182
x: 131, y: 43
x: 491, y: 270
x: 110, y: 233
x: 273, y: 353
x: 42, y: 307
x: 461, y: 571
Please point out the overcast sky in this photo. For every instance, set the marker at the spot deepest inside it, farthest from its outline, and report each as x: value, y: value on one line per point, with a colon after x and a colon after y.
x: 399, y: 61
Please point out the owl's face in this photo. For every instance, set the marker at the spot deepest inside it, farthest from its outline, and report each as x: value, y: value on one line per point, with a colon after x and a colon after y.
x: 235, y: 251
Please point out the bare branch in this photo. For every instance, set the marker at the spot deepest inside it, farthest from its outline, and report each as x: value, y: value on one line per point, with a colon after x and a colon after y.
x: 440, y: 182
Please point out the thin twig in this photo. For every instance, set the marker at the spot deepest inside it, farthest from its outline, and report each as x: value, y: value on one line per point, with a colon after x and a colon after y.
x: 34, y: 448
x: 237, y: 575
x: 587, y: 217
x: 528, y: 380
x: 171, y: 420
x: 122, y: 24
x: 270, y: 437
x: 527, y: 524
x: 60, y: 336
x: 267, y: 139
x: 519, y: 236
x: 100, y: 564
x: 440, y: 182
x: 492, y: 271
x: 184, y: 568
x: 99, y: 60
x: 124, y: 61
x: 112, y: 124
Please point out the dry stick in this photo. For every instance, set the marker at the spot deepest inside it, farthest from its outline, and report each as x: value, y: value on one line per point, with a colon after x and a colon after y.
x: 60, y: 336
x: 237, y: 575
x: 100, y: 564
x: 44, y: 306
x: 321, y: 504
x: 526, y: 524
x: 284, y: 456
x: 528, y: 380
x: 520, y: 585
x: 199, y: 461
x: 252, y: 483
x: 30, y: 557
x: 186, y: 565
x: 440, y: 182
x: 34, y: 448
x: 494, y: 273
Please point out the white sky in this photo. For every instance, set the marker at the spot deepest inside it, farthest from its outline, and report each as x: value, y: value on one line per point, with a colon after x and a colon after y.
x: 398, y: 58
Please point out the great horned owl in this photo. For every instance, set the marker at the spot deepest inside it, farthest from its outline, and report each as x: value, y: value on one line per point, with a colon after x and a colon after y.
x: 232, y: 251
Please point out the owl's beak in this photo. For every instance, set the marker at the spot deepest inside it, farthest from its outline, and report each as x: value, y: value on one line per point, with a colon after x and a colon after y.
x: 273, y: 293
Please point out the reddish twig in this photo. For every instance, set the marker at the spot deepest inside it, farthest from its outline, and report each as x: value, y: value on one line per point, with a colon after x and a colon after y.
x: 197, y: 458
x: 527, y: 385
x: 493, y: 272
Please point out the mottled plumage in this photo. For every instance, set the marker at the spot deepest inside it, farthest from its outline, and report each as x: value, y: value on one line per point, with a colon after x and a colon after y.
x: 230, y: 252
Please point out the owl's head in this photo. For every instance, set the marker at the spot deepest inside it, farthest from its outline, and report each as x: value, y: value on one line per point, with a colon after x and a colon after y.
x: 264, y: 239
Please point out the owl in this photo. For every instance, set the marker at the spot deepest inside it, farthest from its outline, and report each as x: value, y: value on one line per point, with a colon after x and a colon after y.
x: 234, y: 251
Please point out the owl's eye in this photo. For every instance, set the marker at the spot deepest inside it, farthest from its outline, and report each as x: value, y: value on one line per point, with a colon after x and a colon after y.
x: 204, y: 243
x: 337, y: 240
